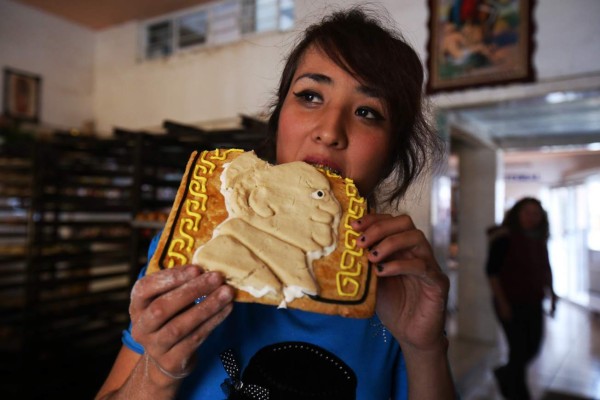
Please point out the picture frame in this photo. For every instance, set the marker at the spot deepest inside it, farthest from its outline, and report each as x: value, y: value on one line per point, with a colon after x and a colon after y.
x: 475, y: 43
x: 22, y: 95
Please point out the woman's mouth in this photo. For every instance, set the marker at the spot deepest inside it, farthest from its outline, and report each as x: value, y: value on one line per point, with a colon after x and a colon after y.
x: 325, y: 164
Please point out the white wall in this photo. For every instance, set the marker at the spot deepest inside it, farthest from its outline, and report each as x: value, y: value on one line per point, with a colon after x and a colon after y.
x: 197, y: 86
x: 546, y: 169
x: 480, y: 168
x: 226, y: 81
x: 206, y: 84
x: 112, y: 86
x: 60, y: 52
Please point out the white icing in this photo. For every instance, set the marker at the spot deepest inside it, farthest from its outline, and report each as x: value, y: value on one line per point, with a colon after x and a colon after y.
x: 259, y: 292
x: 290, y: 293
x: 267, y: 197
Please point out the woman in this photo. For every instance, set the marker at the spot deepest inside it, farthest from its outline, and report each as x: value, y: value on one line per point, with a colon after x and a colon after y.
x: 350, y: 99
x: 520, y: 277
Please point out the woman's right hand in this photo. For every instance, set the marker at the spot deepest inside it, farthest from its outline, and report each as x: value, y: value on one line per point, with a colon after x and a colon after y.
x: 167, y: 322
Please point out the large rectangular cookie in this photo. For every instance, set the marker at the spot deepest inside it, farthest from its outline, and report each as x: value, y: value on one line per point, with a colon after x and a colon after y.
x: 280, y: 234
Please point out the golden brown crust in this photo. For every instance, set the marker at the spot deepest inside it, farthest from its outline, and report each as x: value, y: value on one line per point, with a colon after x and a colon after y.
x: 346, y: 281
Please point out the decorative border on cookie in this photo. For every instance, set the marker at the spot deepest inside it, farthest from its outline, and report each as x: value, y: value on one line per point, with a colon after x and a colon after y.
x: 349, y: 266
x: 190, y: 175
x: 346, y: 276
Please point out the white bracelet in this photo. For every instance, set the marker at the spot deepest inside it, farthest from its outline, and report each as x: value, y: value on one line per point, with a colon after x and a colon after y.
x: 181, y: 375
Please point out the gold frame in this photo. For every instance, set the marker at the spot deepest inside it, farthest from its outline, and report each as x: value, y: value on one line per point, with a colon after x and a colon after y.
x: 22, y: 92
x: 474, y: 43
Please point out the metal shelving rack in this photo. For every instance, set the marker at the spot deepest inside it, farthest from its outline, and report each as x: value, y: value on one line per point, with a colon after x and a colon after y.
x: 72, y: 242
x: 64, y: 261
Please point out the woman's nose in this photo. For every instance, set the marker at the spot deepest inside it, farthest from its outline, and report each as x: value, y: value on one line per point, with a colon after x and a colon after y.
x: 331, y: 131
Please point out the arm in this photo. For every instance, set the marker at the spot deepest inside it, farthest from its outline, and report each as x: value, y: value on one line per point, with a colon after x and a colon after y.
x: 504, y: 308
x: 549, y: 285
x: 170, y: 327
x: 411, y: 300
x: 134, y: 377
x: 496, y: 255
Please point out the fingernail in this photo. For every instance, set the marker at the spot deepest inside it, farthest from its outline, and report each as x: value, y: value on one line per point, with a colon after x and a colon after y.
x: 213, y: 277
x: 225, y: 295
x: 362, y: 238
x: 375, y: 253
x: 190, y: 272
x: 379, y: 267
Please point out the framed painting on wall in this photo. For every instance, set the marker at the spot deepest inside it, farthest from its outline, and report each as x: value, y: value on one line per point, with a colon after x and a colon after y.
x: 476, y: 43
x: 22, y: 91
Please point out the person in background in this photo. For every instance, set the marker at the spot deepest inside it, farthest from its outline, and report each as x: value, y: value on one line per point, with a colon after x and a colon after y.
x: 351, y: 99
x: 520, y: 277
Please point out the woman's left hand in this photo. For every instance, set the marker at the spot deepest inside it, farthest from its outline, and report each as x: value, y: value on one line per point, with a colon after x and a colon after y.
x: 412, y: 289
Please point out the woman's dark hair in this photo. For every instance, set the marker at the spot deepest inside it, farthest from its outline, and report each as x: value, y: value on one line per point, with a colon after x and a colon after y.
x: 381, y: 59
x: 511, y: 219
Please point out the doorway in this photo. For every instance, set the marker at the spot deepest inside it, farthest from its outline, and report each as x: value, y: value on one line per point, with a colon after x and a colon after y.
x: 546, y: 147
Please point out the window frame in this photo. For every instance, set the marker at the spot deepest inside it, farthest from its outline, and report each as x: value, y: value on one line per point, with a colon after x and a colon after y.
x: 212, y: 40
x: 177, y: 30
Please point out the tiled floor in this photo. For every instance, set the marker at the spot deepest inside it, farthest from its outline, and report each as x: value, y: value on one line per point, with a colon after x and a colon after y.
x: 568, y: 366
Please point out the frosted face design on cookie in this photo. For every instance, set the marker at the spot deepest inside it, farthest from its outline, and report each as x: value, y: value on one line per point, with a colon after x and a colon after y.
x: 281, y: 218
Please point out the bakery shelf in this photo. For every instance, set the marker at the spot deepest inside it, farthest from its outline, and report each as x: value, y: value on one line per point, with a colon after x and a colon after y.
x: 76, y: 217
x: 148, y: 224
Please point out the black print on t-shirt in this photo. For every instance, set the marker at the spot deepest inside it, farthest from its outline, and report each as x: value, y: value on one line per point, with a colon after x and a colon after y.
x: 291, y: 371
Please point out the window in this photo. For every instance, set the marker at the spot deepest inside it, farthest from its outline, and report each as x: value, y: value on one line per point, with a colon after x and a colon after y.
x: 192, y: 29
x: 286, y: 14
x: 266, y: 15
x: 159, y: 40
x: 224, y: 22
x: 216, y: 23
x: 248, y: 17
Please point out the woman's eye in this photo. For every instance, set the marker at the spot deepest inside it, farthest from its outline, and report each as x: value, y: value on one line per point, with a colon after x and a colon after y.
x: 368, y: 113
x: 308, y: 96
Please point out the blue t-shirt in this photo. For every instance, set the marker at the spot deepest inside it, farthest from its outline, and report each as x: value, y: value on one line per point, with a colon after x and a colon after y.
x: 362, y: 344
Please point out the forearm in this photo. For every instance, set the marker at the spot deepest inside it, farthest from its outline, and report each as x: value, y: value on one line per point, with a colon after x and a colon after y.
x: 549, y: 281
x: 145, y: 381
x: 497, y: 290
x: 429, y: 375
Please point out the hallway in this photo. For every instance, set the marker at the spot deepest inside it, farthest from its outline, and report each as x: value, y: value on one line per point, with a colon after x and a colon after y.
x: 567, y: 368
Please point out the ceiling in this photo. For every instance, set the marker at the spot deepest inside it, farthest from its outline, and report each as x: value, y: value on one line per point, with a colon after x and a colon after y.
x: 557, y: 119
x: 100, y: 14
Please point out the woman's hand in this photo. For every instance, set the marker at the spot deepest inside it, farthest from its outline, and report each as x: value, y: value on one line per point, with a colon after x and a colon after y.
x: 167, y: 322
x: 412, y: 289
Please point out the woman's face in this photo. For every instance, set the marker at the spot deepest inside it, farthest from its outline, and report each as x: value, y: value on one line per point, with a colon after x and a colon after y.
x: 330, y: 119
x: 530, y: 216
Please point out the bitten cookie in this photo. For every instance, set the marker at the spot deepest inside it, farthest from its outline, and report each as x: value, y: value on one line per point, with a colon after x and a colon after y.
x: 280, y: 234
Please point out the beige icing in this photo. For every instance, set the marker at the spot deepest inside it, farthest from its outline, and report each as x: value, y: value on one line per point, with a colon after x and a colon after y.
x: 281, y: 218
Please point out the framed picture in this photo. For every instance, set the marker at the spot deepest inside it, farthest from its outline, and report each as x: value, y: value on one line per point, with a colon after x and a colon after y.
x: 22, y: 92
x: 479, y: 43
